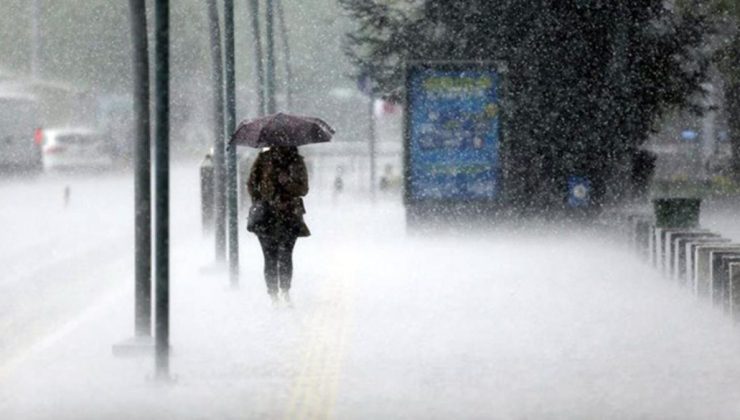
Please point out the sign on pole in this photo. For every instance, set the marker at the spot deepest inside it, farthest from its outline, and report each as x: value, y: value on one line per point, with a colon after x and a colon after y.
x: 579, y: 191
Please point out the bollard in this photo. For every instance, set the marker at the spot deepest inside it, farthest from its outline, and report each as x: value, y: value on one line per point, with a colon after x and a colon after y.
x: 725, y: 277
x: 719, y: 278
x: 689, y: 255
x: 634, y: 226
x: 655, y: 245
x: 667, y: 239
x: 207, y: 194
x: 673, y: 243
x: 678, y: 246
x: 702, y: 267
x: 661, y: 245
x: 651, y: 240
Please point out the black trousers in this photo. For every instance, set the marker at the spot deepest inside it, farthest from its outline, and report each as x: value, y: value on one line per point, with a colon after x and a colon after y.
x: 278, y: 253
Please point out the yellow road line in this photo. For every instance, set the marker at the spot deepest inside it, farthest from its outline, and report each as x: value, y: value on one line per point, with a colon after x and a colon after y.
x: 314, y: 391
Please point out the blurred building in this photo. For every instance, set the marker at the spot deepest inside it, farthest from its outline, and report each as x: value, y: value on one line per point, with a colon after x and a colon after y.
x: 692, y: 147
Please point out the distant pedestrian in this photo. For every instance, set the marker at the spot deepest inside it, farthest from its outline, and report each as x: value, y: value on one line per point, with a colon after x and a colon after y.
x: 339, y: 181
x: 277, y: 182
x: 385, y: 180
x: 67, y: 195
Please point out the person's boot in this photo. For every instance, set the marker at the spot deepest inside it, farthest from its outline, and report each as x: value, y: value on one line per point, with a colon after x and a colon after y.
x: 286, y: 298
x: 275, y: 300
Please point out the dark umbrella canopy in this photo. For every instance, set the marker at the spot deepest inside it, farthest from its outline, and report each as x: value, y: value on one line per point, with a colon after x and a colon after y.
x: 282, y: 130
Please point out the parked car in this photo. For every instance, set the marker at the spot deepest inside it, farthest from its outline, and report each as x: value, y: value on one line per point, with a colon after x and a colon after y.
x: 75, y: 148
x: 19, y: 146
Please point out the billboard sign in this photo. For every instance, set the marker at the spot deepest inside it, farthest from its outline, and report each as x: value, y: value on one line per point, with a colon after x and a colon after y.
x: 452, y: 132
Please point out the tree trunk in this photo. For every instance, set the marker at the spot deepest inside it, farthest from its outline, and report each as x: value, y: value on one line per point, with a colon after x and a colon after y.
x: 733, y: 105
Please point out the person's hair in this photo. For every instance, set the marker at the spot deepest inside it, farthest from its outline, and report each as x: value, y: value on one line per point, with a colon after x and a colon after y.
x: 288, y: 150
x: 286, y: 154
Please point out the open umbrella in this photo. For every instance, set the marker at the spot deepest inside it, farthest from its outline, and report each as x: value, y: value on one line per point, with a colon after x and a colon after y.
x: 282, y: 130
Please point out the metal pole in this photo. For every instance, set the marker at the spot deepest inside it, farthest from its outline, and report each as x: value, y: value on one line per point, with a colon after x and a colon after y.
x: 162, y: 183
x: 35, y: 38
x: 286, y: 53
x: 372, y: 140
x: 259, y: 58
x: 142, y: 174
x: 270, y: 88
x: 231, y: 171
x: 233, y: 201
x: 218, y: 124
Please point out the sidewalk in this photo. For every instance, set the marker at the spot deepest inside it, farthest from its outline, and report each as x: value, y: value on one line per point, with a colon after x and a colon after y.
x: 489, y: 325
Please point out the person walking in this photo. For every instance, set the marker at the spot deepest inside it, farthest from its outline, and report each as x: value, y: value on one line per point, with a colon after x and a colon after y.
x: 277, y: 182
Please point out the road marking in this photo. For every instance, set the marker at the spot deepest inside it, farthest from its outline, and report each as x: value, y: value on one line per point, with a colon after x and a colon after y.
x: 64, y: 330
x: 315, y: 389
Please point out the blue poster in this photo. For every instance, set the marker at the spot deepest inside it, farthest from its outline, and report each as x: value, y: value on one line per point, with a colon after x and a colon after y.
x: 453, y: 135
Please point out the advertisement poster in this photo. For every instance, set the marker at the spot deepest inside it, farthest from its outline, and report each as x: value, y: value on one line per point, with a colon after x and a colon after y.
x: 452, y: 134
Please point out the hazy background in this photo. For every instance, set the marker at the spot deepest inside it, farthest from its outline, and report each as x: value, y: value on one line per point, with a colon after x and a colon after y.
x: 85, y: 46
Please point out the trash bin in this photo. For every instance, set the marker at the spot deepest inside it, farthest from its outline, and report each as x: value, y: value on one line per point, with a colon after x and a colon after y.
x: 677, y: 212
x: 207, y: 194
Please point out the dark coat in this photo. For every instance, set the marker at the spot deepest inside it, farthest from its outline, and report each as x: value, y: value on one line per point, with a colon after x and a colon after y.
x: 279, y: 178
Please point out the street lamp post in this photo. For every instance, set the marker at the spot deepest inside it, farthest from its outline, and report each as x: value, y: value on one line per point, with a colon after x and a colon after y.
x: 259, y: 63
x: 162, y: 184
x: 142, y: 174
x: 219, y: 136
x: 231, y: 170
x: 142, y: 340
x: 270, y: 43
x: 35, y: 38
x: 286, y: 54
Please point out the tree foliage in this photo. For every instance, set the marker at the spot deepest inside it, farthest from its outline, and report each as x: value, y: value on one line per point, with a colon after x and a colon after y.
x: 587, y: 79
